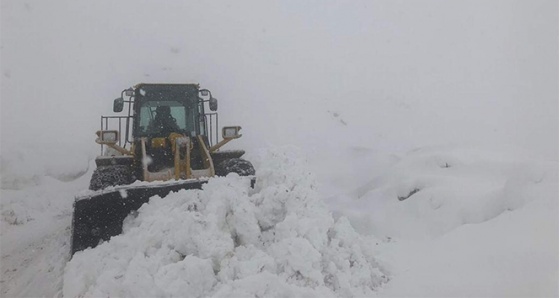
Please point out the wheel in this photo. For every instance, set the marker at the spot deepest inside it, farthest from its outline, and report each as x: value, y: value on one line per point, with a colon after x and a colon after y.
x: 105, y: 176
x: 235, y: 165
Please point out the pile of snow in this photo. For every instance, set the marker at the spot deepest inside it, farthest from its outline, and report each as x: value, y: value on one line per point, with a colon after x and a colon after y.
x: 462, y: 222
x: 434, y: 190
x: 229, y: 240
x: 512, y: 255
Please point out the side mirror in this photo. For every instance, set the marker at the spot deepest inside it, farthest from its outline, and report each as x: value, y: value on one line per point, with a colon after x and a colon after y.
x: 213, y: 103
x: 118, y: 105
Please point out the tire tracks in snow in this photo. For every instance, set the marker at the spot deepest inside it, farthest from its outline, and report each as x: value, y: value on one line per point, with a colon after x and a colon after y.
x: 36, y: 270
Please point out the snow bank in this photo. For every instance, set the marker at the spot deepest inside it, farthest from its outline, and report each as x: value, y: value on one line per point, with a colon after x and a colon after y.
x: 32, y: 184
x: 229, y: 240
x: 463, y: 222
x: 512, y: 255
x: 432, y: 191
x: 26, y: 166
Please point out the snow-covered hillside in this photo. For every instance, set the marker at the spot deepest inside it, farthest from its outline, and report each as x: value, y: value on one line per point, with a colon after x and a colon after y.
x: 402, y: 148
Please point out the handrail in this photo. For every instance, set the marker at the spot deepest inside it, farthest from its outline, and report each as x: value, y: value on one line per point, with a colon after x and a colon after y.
x: 213, y: 136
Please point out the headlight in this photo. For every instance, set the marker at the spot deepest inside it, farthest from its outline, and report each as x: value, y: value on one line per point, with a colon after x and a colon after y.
x: 107, y: 137
x: 231, y: 132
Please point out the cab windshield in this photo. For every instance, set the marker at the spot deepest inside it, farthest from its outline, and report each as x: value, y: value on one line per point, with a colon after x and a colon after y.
x: 160, y: 118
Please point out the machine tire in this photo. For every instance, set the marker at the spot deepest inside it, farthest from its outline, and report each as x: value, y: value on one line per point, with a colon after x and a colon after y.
x: 105, y: 176
x: 235, y: 165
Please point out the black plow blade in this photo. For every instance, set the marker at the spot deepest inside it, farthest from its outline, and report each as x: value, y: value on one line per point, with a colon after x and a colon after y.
x: 100, y: 216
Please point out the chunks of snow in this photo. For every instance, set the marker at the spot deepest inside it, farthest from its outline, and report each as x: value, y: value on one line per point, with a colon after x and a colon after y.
x: 278, y: 239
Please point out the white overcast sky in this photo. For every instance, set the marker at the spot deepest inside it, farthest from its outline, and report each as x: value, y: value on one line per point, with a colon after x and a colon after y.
x: 479, y: 71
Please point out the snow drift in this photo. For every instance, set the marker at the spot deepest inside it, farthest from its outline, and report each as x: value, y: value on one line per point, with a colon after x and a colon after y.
x: 462, y: 222
x: 230, y: 240
x: 433, y: 190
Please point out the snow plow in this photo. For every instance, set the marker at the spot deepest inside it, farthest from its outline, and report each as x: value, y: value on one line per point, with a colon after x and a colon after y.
x: 166, y: 142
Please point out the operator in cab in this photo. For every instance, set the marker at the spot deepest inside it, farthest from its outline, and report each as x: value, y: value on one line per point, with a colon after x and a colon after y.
x: 163, y: 123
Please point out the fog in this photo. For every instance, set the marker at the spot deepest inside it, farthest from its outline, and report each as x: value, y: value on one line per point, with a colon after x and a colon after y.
x: 425, y: 125
x: 395, y: 75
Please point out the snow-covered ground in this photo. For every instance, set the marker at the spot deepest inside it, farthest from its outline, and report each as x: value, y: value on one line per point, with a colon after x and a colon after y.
x: 402, y: 148
x: 463, y: 222
x: 436, y: 222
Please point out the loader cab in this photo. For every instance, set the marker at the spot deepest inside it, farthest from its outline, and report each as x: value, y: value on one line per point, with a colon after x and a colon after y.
x: 163, y: 109
x: 146, y: 104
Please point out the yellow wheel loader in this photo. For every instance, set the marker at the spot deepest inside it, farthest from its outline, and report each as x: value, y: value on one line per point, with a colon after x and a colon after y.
x: 166, y: 136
